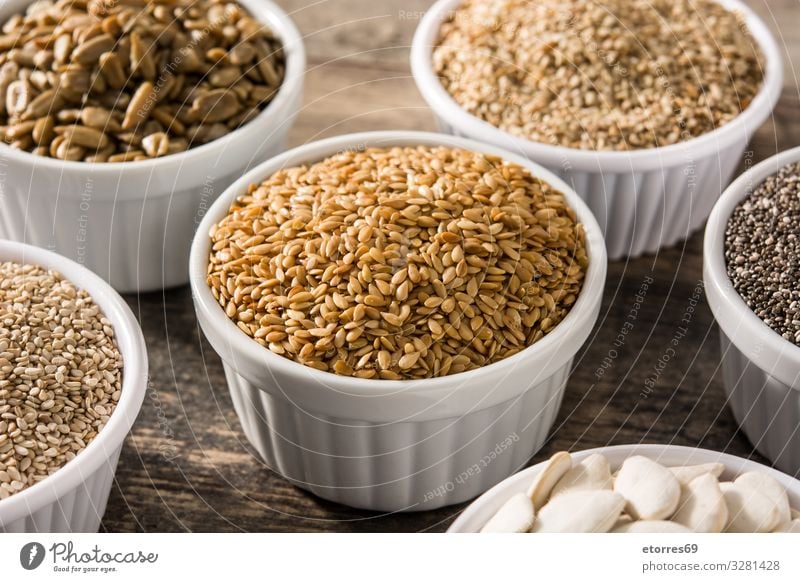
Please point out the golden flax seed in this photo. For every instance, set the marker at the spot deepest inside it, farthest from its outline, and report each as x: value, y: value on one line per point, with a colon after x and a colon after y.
x: 350, y: 265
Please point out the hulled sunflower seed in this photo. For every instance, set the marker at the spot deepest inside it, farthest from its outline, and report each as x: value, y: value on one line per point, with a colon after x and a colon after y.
x: 89, y: 52
x: 214, y: 106
x: 86, y: 137
x: 189, y: 70
x: 99, y: 118
x: 138, y: 110
x: 156, y: 144
x: 43, y: 130
x: 43, y: 104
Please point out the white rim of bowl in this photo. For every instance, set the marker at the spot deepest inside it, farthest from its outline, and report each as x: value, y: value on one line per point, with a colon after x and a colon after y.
x: 591, y: 291
x: 134, y: 383
x: 742, y: 326
x: 745, y: 123
x: 731, y: 462
x: 273, y: 114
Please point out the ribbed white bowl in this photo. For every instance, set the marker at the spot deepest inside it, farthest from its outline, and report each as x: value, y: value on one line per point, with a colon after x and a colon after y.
x: 474, y: 517
x: 644, y: 200
x: 397, y: 464
x: 395, y: 445
x: 760, y: 369
x: 73, y: 499
x: 132, y: 223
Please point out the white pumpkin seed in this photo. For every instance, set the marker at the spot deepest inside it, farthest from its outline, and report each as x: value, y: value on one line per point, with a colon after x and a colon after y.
x: 556, y: 468
x: 580, y: 512
x: 769, y: 487
x: 749, y: 510
x: 789, y: 527
x: 702, y: 507
x: 651, y: 490
x: 624, y: 519
x: 594, y: 472
x: 687, y: 474
x: 515, y: 516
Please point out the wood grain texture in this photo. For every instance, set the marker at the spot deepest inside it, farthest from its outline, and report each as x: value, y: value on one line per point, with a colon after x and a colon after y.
x: 187, y: 466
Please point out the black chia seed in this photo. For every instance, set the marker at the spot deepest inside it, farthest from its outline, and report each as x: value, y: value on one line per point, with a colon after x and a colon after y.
x: 762, y: 251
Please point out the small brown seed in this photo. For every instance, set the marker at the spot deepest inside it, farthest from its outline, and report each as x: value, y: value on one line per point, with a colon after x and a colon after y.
x: 67, y: 153
x: 213, y: 106
x: 268, y: 73
x: 128, y: 156
x: 99, y: 118
x: 88, y: 53
x: 242, y: 54
x: 20, y: 130
x: 141, y: 59
x: 43, y: 130
x: 225, y: 77
x: 78, y: 135
x: 156, y: 144
x: 138, y: 111
x: 111, y: 69
x: 18, y: 96
x: 62, y: 48
x: 75, y: 79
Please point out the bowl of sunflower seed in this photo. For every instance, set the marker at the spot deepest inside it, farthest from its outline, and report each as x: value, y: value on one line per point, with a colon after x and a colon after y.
x: 125, y: 119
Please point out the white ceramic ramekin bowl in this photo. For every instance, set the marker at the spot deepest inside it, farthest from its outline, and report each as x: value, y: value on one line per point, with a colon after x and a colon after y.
x: 760, y: 369
x: 132, y: 223
x: 395, y: 445
x: 474, y: 517
x: 73, y: 499
x: 646, y: 199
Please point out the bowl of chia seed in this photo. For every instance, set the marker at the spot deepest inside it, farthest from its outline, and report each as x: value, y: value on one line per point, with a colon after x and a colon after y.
x: 751, y: 267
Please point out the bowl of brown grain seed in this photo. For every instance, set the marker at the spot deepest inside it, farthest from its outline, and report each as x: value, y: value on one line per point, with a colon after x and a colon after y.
x: 397, y: 312
x: 123, y: 121
x: 73, y: 374
x: 644, y: 108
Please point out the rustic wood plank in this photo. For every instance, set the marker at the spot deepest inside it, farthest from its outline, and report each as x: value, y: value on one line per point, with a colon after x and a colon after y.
x: 187, y: 465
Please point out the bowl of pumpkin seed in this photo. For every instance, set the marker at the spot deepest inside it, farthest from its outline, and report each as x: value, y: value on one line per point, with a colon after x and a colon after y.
x: 640, y: 488
x: 124, y: 119
x: 391, y: 307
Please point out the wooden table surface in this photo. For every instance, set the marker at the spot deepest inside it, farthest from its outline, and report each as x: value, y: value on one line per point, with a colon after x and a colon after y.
x: 187, y: 466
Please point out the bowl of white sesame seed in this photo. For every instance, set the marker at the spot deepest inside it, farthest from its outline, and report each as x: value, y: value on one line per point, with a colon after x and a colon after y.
x: 644, y: 108
x: 73, y: 374
x: 397, y: 312
x: 750, y: 271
